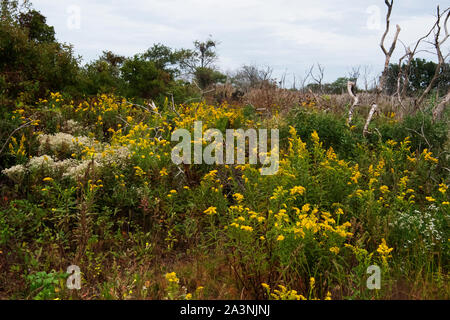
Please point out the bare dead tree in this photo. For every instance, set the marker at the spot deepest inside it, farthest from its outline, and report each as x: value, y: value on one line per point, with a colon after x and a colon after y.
x: 366, y: 71
x: 252, y: 76
x: 304, y: 79
x: 403, y: 75
x: 388, y: 55
x: 318, y: 78
x: 405, y: 72
x: 282, y: 82
x: 350, y: 86
x: 405, y: 69
x: 354, y: 74
x: 438, y: 42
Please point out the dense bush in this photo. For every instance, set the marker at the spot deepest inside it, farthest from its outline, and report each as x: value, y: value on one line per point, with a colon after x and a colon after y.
x: 332, y: 128
x: 424, y: 133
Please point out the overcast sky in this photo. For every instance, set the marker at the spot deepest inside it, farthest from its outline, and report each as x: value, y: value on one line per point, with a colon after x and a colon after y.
x: 288, y: 35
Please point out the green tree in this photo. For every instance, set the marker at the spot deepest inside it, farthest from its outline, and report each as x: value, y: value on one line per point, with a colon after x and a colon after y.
x: 164, y: 58
x: 10, y: 9
x: 420, y: 75
x: 30, y: 63
x: 203, y: 55
x: 37, y: 27
x: 199, y: 62
x: 207, y: 76
x: 103, y: 75
x: 142, y: 78
x: 339, y: 86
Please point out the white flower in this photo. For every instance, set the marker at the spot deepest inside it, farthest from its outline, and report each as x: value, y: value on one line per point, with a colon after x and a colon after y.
x: 36, y: 163
x: 62, y: 142
x: 80, y: 169
x: 73, y: 126
x: 16, y: 173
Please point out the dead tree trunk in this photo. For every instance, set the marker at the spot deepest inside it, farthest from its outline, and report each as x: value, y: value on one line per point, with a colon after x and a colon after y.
x: 439, y: 109
x: 350, y: 86
x: 388, y: 55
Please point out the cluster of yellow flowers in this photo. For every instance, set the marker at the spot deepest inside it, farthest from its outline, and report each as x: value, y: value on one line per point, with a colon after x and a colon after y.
x: 283, y: 293
x: 18, y: 148
x: 427, y: 155
x: 384, y: 251
x: 211, y: 210
x: 172, y: 277
x: 210, y: 115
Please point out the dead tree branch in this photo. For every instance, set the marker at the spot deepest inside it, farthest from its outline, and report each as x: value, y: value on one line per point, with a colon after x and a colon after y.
x: 350, y: 86
x: 437, y: 46
x: 388, y: 55
x: 319, y: 77
x: 439, y: 109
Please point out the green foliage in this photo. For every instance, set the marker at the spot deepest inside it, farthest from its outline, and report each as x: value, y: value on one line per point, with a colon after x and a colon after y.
x: 338, y: 87
x: 143, y: 78
x: 202, y: 56
x: 35, y: 23
x: 31, y: 68
x: 424, y: 133
x: 206, y: 77
x: 333, y: 129
x: 22, y: 221
x: 164, y: 58
x: 44, y: 286
x: 102, y: 75
x: 420, y: 75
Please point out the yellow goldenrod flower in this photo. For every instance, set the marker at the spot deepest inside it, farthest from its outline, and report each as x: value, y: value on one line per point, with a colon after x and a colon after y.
x: 238, y: 197
x: 384, y: 250
x: 139, y: 171
x: 315, y: 137
x: 163, y: 172
x: 172, y: 277
x: 247, y: 228
x: 297, y: 190
x: 335, y: 250
x: 312, y: 282
x: 443, y: 188
x: 306, y: 208
x: 428, y: 156
x: 210, y: 210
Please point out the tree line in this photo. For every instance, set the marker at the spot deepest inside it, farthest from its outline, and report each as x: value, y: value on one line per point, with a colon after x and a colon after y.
x: 33, y: 63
